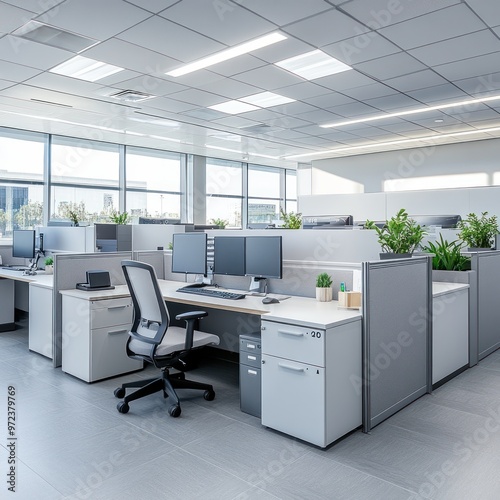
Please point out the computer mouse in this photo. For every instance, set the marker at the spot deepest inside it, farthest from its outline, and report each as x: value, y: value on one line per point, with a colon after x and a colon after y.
x: 269, y: 300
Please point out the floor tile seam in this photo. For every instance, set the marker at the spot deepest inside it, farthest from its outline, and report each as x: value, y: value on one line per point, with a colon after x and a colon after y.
x: 42, y: 478
x: 466, y: 412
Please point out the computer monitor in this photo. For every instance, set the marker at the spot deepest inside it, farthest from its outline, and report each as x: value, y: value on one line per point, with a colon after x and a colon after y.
x: 158, y: 220
x: 263, y: 257
x: 229, y: 255
x: 189, y: 253
x: 23, y: 243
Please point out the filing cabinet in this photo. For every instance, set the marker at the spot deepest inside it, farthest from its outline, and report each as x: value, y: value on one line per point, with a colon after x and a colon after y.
x: 250, y: 374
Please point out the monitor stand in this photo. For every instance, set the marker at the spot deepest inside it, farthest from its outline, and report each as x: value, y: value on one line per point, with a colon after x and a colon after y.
x: 258, y: 286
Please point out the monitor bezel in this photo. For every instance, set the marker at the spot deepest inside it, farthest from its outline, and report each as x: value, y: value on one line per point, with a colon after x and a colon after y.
x: 225, y: 238
x: 262, y: 275
x: 190, y: 235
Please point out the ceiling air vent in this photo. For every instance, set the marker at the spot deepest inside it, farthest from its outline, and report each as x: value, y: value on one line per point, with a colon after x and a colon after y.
x: 131, y: 96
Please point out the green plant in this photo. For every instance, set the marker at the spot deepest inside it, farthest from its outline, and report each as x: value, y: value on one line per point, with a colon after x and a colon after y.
x: 119, y: 218
x: 222, y: 223
x: 478, y: 232
x: 400, y: 234
x: 323, y: 280
x: 49, y: 261
x: 73, y: 217
x: 291, y: 220
x: 170, y: 246
x: 447, y: 256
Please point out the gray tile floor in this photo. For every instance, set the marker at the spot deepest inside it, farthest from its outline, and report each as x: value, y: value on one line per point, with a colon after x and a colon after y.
x: 73, y: 444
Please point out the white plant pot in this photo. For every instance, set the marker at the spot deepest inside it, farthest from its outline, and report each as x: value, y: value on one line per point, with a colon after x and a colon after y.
x: 324, y: 294
x: 49, y: 269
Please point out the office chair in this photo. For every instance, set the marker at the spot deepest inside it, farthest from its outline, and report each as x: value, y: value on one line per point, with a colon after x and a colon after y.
x: 151, y: 339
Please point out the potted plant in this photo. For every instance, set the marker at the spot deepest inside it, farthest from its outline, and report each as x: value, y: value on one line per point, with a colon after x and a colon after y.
x: 478, y: 232
x: 221, y: 223
x: 291, y: 220
x: 119, y: 218
x: 49, y: 265
x: 324, y: 292
x: 447, y: 255
x: 399, y: 237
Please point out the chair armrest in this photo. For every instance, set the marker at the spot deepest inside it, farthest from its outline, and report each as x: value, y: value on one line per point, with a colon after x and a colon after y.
x: 190, y: 318
x: 191, y: 315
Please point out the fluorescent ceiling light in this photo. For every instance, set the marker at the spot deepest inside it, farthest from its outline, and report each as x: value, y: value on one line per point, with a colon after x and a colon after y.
x: 170, y: 139
x: 266, y: 99
x: 402, y: 141
x: 241, y: 152
x: 85, y: 69
x: 233, y: 107
x: 227, y: 54
x: 468, y: 102
x: 313, y: 65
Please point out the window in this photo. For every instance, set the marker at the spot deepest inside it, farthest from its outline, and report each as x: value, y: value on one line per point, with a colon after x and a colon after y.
x: 21, y: 180
x: 264, y: 194
x: 291, y: 191
x: 153, y: 183
x: 84, y: 179
x: 224, y: 188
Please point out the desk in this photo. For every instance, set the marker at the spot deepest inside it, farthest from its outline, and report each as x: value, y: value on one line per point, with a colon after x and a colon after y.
x: 292, y: 330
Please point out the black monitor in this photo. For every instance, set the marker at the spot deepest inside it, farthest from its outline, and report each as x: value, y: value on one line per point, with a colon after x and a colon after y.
x: 158, y: 220
x: 189, y: 253
x: 444, y: 221
x: 23, y: 243
x: 263, y: 257
x: 229, y: 255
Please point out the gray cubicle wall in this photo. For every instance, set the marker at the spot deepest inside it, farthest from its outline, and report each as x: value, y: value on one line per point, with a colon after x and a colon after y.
x: 397, y: 328
x: 155, y: 258
x: 487, y: 267
x: 70, y: 269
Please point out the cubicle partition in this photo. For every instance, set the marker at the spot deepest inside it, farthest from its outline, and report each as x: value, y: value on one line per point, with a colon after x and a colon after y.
x: 154, y: 258
x: 70, y: 269
x: 397, y: 329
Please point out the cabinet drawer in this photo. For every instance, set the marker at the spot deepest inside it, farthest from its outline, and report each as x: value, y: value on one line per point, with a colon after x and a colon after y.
x: 250, y: 359
x: 306, y: 345
x: 111, y: 312
x: 249, y: 344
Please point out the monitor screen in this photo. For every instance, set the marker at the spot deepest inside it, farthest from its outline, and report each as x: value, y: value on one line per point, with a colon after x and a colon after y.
x: 263, y: 256
x: 23, y: 243
x: 189, y: 253
x: 229, y: 255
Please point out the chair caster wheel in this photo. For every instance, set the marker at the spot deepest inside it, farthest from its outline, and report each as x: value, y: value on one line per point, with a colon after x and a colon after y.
x: 119, y: 393
x: 123, y: 407
x: 174, y: 411
x: 209, y: 395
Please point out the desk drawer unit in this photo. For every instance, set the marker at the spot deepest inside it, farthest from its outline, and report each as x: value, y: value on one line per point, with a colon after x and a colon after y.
x: 250, y: 374
x: 311, y: 380
x: 94, y: 338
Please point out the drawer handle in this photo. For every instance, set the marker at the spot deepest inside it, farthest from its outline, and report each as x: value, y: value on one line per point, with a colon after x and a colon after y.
x: 292, y: 334
x: 116, y: 307
x: 252, y: 372
x: 250, y: 346
x: 117, y: 332
x: 290, y: 367
x: 251, y: 358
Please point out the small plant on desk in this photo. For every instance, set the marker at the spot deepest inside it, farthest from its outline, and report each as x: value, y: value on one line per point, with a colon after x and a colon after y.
x: 324, y: 292
x: 49, y: 265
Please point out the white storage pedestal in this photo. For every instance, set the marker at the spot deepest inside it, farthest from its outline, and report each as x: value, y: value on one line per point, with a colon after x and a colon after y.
x: 40, y: 319
x: 311, y: 380
x: 94, y: 337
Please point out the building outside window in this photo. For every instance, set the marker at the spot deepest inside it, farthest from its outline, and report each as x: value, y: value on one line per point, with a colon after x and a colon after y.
x: 264, y: 194
x: 291, y: 191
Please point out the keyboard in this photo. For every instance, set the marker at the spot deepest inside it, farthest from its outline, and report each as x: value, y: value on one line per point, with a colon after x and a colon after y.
x: 15, y: 268
x: 209, y: 292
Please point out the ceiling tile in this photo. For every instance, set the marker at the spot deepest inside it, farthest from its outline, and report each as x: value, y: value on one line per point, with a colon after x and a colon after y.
x: 198, y: 97
x: 338, y: 135
x: 231, y: 89
x: 268, y: 77
x: 17, y: 72
x: 293, y: 108
x: 480, y: 85
x: 392, y: 102
x: 369, y: 91
x: 477, y: 66
x: 476, y: 116
x: 12, y: 17
x: 462, y: 47
x: 383, y: 13
x: 325, y: 28
x: 204, y: 114
x: 390, y: 66
x: 166, y: 104
x: 79, y: 17
x: 319, y: 116
x: 345, y: 80
x: 434, y: 27
x: 33, y: 5
x: 31, y: 53
x: 355, y: 109
x: 281, y: 12
x: 237, y: 65
x: 487, y: 10
x: 151, y: 85
x: 235, y: 122
x: 439, y: 93
x: 329, y: 100
x: 302, y: 91
x: 361, y: 48
x: 227, y: 23
x: 154, y: 6
x: 400, y: 126
x: 170, y: 39
x: 415, y: 81
x: 284, y: 50
x: 4, y: 84
x: 64, y: 84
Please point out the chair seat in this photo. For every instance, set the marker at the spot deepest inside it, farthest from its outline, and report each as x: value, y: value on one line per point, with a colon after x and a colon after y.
x: 174, y: 341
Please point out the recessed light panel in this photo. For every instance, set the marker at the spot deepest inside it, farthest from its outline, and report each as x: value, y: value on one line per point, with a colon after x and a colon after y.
x: 312, y: 65
x: 266, y: 99
x: 85, y: 69
x: 233, y: 107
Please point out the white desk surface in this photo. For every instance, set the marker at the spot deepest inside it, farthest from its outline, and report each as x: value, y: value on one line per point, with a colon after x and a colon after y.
x: 442, y: 288
x: 298, y: 310
x: 42, y: 279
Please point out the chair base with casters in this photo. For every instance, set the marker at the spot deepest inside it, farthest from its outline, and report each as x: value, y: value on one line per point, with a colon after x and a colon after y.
x: 167, y: 383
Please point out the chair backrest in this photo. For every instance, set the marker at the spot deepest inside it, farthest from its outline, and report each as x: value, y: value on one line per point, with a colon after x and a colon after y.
x: 151, y: 318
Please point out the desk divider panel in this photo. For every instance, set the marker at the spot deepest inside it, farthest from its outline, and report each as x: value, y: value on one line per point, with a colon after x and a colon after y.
x: 70, y: 269
x: 154, y: 258
x: 397, y: 329
x: 487, y: 267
